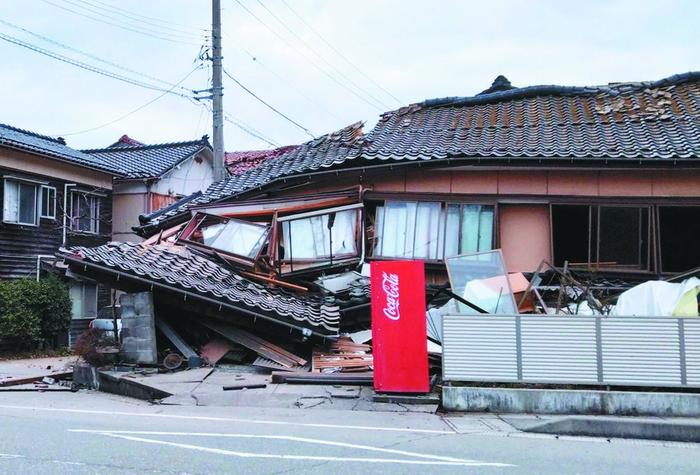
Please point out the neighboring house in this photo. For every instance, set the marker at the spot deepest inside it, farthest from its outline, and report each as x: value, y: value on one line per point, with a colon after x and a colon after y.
x: 154, y: 176
x: 607, y: 177
x: 52, y: 196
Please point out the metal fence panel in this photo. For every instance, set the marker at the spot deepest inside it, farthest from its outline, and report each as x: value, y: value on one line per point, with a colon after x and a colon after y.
x: 640, y: 351
x: 559, y: 349
x: 637, y: 351
x: 479, y: 349
x: 691, y: 329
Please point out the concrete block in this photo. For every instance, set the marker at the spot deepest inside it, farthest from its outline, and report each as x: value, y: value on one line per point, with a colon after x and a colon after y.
x: 564, y: 401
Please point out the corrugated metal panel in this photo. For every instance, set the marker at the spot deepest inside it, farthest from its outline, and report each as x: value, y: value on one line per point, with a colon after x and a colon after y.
x: 638, y: 351
x: 77, y: 327
x: 479, y: 349
x: 559, y: 349
x: 692, y: 349
x: 641, y: 351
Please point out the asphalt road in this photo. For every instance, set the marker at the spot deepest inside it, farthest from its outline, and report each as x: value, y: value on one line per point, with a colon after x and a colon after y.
x: 97, y: 433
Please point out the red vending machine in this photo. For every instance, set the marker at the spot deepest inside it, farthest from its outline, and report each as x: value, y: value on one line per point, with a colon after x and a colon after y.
x: 399, y: 339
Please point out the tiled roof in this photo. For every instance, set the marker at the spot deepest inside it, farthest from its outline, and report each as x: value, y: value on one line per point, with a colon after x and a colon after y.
x: 323, y: 152
x: 147, y: 161
x: 125, y: 141
x: 638, y: 121
x: 44, y: 145
x: 239, y: 162
x: 623, y: 121
x: 178, y: 268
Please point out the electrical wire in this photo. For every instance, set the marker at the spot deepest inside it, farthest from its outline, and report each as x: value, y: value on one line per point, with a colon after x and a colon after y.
x: 103, y: 12
x: 160, y: 20
x: 266, y: 104
x: 143, y: 106
x: 341, y: 55
x: 133, y: 16
x: 313, y: 63
x: 283, y: 80
x: 325, y: 61
x: 86, y: 66
x: 140, y: 32
x: 84, y: 53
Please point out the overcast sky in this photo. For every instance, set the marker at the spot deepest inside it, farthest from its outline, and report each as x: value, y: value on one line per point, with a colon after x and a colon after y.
x: 410, y: 49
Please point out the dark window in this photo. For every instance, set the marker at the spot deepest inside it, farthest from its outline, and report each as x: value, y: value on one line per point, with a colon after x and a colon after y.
x: 85, y: 212
x: 608, y: 236
x: 570, y: 233
x: 679, y: 231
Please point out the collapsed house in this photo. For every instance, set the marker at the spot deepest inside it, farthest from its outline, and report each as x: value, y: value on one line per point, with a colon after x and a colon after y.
x: 604, y: 180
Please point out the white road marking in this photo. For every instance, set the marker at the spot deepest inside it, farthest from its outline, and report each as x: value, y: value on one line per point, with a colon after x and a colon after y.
x: 11, y: 456
x: 307, y: 457
x: 277, y: 437
x: 230, y: 419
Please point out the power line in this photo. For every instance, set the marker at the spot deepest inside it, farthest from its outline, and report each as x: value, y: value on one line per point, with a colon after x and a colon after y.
x: 140, y: 32
x: 146, y: 19
x: 160, y: 20
x: 289, y: 45
x: 89, y: 55
x: 359, y: 70
x: 87, y: 67
x: 325, y: 61
x: 237, y: 122
x: 248, y: 131
x: 103, y: 12
x: 266, y: 104
x: 283, y: 80
x: 143, y: 106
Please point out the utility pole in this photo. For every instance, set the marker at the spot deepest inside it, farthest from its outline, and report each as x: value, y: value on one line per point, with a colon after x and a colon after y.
x: 217, y: 91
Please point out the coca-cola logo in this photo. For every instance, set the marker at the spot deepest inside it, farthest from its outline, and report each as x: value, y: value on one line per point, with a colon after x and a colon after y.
x: 390, y: 286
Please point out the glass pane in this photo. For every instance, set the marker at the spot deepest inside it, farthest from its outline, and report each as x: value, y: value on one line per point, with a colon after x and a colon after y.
x: 76, y: 296
x: 311, y: 238
x: 425, y: 239
x: 90, y: 300
x: 470, y: 229
x: 620, y: 236
x: 236, y: 237
x: 485, y: 228
x: 481, y: 279
x: 395, y: 231
x: 410, y: 230
x: 452, y: 231
x: 11, y: 202
x: 27, y: 203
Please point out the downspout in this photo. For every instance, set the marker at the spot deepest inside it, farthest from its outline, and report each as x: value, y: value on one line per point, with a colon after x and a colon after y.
x: 65, y: 211
x: 39, y: 257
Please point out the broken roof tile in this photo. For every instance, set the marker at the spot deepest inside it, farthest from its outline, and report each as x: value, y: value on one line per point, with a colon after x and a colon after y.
x: 179, y: 268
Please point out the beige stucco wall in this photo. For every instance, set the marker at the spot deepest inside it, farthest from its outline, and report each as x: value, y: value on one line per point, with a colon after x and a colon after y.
x: 524, y: 236
x: 126, y: 209
x: 29, y: 163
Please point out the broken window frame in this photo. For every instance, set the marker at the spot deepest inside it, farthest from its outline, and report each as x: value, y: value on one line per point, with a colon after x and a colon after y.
x: 442, y: 234
x: 199, y: 218
x: 303, y: 264
x: 593, y: 247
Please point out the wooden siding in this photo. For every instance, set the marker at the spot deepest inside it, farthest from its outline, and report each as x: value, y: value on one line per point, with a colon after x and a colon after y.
x: 21, y: 244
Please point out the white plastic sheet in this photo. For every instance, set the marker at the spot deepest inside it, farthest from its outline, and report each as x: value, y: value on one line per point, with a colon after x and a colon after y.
x: 659, y: 298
